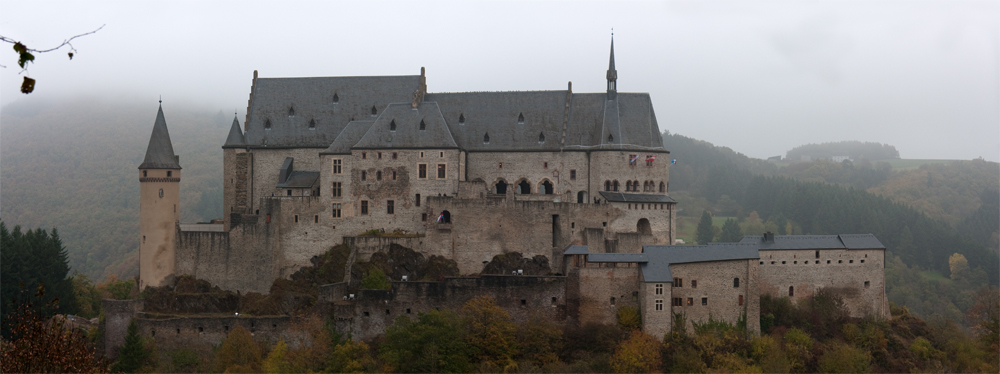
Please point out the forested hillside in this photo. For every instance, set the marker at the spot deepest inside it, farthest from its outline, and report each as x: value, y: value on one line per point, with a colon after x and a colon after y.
x: 72, y: 164
x: 854, y: 150
x: 831, y: 198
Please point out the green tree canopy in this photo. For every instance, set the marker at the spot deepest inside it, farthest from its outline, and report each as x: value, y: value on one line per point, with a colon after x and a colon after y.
x: 28, y: 259
x: 731, y: 231
x: 705, y: 234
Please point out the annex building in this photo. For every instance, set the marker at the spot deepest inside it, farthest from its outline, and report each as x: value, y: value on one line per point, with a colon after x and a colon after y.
x: 580, y: 179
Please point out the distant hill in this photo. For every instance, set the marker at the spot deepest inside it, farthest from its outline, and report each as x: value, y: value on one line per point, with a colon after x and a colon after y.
x: 72, y: 164
x: 853, y: 150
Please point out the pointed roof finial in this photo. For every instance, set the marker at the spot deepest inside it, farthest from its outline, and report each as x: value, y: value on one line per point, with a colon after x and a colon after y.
x: 612, y: 72
x: 161, y: 99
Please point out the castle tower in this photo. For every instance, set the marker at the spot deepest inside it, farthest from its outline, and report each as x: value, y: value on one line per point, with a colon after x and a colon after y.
x: 159, y: 197
x: 234, y: 177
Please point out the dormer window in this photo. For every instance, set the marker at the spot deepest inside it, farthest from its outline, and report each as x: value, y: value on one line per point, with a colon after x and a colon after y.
x: 423, y: 126
x: 461, y: 119
x: 291, y: 111
x: 486, y: 138
x: 611, y: 138
x: 374, y: 111
x: 312, y: 123
x: 336, y: 99
x: 392, y: 125
x: 541, y: 137
x: 520, y: 119
x: 267, y: 124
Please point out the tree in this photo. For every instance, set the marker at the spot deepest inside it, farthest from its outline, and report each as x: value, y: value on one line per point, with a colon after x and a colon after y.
x: 133, y: 354
x: 731, y: 231
x: 42, y: 345
x: 375, y: 280
x: 276, y: 361
x: 629, y: 318
x: 491, y: 332
x: 541, y: 340
x: 30, y: 259
x: 704, y: 233
x: 753, y: 225
x: 958, y: 265
x: 435, y: 343
x: 26, y: 55
x: 640, y: 353
x: 239, y: 352
x: 352, y: 357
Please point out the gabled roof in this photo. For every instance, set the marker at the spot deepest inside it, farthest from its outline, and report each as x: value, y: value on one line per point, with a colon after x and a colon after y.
x: 657, y: 269
x: 303, y: 113
x: 498, y: 114
x: 235, y: 138
x: 619, y: 197
x: 399, y: 127
x: 160, y: 152
x: 348, y: 138
x: 791, y: 242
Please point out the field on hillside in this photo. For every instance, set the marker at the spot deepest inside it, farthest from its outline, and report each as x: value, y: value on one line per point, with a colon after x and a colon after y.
x: 909, y: 164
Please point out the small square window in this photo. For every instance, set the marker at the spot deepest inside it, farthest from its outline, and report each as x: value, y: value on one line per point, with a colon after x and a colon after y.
x: 364, y: 155
x: 170, y: 173
x: 289, y: 192
x: 364, y: 206
x: 545, y: 165
x: 704, y: 301
x: 572, y: 174
x: 694, y: 284
x: 441, y: 155
x: 379, y: 154
x: 423, y: 217
x: 394, y: 155
x: 868, y: 284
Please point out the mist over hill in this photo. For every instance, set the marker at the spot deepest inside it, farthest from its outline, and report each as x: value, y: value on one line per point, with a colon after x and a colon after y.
x: 73, y: 164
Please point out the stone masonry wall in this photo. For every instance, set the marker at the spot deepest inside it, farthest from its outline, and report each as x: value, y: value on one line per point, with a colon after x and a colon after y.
x: 117, y: 316
x: 715, y: 295
x: 597, y: 287
x: 856, y: 275
x: 206, y: 332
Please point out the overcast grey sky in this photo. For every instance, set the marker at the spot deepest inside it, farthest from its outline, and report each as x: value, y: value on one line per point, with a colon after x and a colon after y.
x: 758, y: 77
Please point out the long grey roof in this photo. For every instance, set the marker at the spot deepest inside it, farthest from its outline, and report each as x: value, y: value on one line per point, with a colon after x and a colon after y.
x: 576, y: 250
x: 160, y: 152
x: 617, y: 257
x: 399, y: 126
x: 235, y: 138
x: 497, y: 114
x: 790, y: 242
x: 620, y: 197
x: 303, y: 113
x: 657, y: 269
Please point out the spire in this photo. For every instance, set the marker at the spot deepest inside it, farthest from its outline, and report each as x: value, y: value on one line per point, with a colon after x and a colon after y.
x: 235, y: 138
x: 160, y: 153
x: 612, y: 73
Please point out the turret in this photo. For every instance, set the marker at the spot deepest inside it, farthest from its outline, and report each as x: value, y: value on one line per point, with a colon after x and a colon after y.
x: 612, y: 73
x: 234, y: 177
x: 159, y: 197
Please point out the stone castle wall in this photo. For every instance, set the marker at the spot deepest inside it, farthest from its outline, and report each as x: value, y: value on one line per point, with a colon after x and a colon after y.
x: 858, y: 276
x: 598, y: 285
x: 709, y: 290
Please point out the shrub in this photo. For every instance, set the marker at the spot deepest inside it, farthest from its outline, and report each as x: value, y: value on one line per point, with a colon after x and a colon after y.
x: 238, y: 353
x: 629, y: 318
x: 375, y: 280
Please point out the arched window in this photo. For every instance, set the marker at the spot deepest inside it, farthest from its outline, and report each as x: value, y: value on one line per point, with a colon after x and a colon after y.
x: 267, y: 123
x: 611, y: 138
x: 614, y: 186
x: 628, y: 186
x: 642, y: 227
x: 444, y: 217
x: 663, y: 187
x: 392, y: 125
x: 546, y: 187
x: 524, y: 187
x: 581, y: 197
x: 607, y: 185
x: 500, y: 188
x: 291, y: 111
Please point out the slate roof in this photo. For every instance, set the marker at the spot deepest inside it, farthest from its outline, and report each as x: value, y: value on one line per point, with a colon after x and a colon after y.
x: 576, y: 250
x: 160, y: 152
x: 619, y: 197
x: 657, y: 269
x: 291, y: 104
x: 399, y: 127
x: 617, y: 257
x: 348, y: 138
x: 497, y: 114
x: 235, y: 138
x: 300, y: 179
x: 790, y: 242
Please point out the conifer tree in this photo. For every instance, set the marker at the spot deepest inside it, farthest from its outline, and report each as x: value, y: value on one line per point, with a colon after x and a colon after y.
x: 731, y: 231
x: 704, y: 234
x: 132, y: 355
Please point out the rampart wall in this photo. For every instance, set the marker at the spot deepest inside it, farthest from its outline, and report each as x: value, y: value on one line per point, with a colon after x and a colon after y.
x: 604, y: 288
x: 857, y: 275
x: 117, y: 316
x: 204, y: 332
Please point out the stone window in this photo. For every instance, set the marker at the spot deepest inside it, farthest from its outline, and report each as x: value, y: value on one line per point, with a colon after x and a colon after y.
x: 614, y: 186
x: 851, y: 261
x: 393, y: 175
x: 407, y: 310
x: 423, y: 126
x: 289, y: 193
x: 423, y: 217
x: 659, y: 288
x: 572, y: 174
x: 545, y: 165
x: 546, y: 187
x: 840, y: 261
x: 441, y: 154
x: 524, y: 187
x: 395, y: 155
x: 663, y: 187
x: 499, y: 165
x: 336, y: 99
x: 422, y: 171
x: 143, y: 173
x: 868, y: 284
x: 541, y: 137
x: 862, y: 261
x: 659, y: 305
x: 378, y: 175
x: 364, y: 155
x: 291, y: 111
x: 421, y: 154
x: 678, y: 282
x: 791, y: 291
x: 628, y: 186
x: 678, y: 301
x: 378, y: 155
x: 336, y: 166
x: 169, y: 173
x: 632, y: 159
x: 161, y: 192
x: 649, y: 160
x: 364, y: 175
x: 828, y: 261
x: 694, y: 283
x: 418, y: 199
x: 296, y: 218
x: 442, y: 171
x: 312, y: 123
x: 500, y: 188
x: 612, y: 300
x: 704, y: 301
x: 520, y: 118
x: 554, y: 299
x: 390, y: 207
x: 611, y: 138
x: 267, y: 124
x: 736, y: 282
x: 741, y: 300
x: 486, y: 138
x: 336, y: 189
x: 817, y: 254
x: 316, y: 218
x: 607, y: 185
x: 364, y: 206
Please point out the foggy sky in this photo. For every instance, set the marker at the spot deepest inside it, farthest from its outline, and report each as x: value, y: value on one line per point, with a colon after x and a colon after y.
x: 758, y: 77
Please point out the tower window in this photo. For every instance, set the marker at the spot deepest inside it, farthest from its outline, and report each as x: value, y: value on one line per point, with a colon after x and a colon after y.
x: 736, y: 282
x: 378, y: 155
x: 169, y: 173
x: 336, y: 166
x: 659, y: 304
x: 364, y: 206
x: 364, y: 175
x: 659, y: 289
x: 336, y: 189
x: 541, y: 137
x: 267, y: 124
x: 611, y: 138
x: 393, y: 175
x: 390, y: 207
x: 572, y: 174
x: 394, y: 155
x: 378, y: 175
x: 161, y: 192
x: 143, y: 173
x: 291, y: 111
x: 336, y: 210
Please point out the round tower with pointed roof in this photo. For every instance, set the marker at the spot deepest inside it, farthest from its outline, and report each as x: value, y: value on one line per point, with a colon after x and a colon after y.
x: 235, y: 172
x: 159, y: 206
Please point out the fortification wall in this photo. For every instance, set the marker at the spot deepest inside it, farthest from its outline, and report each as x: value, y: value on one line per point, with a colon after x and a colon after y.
x: 365, y: 246
x: 301, y: 230
x: 117, y: 316
x: 710, y: 290
x: 245, y: 259
x: 235, y: 172
x: 206, y: 332
x: 372, y: 311
x: 604, y: 289
x: 858, y: 276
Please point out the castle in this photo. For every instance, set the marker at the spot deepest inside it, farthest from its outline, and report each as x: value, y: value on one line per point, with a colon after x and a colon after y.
x: 469, y: 176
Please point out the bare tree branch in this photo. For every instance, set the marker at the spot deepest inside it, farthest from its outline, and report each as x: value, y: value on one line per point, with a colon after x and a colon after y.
x: 26, y: 56
x: 64, y: 43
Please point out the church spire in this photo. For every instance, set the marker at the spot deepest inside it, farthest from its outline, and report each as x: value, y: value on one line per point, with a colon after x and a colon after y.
x: 612, y: 73
x: 160, y: 152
